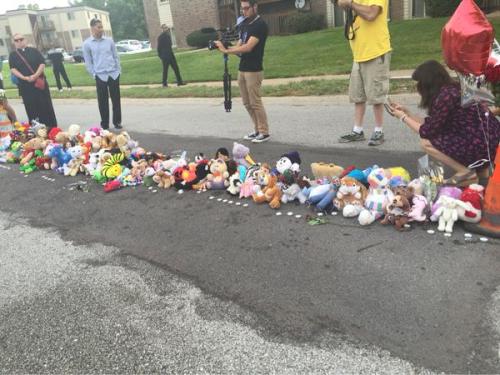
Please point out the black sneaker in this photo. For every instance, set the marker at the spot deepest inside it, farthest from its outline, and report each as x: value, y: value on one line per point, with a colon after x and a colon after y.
x: 251, y: 136
x: 182, y: 84
x: 261, y: 138
x: 352, y: 137
x: 376, y: 139
x: 118, y: 126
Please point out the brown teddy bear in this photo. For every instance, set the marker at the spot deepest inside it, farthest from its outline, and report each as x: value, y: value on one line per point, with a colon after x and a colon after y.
x: 397, y: 212
x: 164, y: 179
x: 271, y: 193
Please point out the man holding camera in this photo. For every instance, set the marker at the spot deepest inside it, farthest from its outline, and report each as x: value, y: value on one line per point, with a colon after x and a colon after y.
x: 250, y: 47
x: 368, y: 34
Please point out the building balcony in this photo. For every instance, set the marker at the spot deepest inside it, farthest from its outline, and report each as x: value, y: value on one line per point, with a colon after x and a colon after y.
x: 46, y: 26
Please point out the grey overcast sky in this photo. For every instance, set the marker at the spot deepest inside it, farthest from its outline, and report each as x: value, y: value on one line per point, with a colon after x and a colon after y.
x: 6, y: 5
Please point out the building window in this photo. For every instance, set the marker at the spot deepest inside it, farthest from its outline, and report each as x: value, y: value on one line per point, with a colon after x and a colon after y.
x: 74, y: 33
x: 1, y: 43
x: 71, y: 16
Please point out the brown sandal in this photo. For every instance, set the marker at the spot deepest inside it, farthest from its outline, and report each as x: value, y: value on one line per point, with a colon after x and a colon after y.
x: 462, y: 180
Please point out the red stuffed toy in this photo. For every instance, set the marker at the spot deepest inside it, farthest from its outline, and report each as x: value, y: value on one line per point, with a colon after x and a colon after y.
x: 473, y: 195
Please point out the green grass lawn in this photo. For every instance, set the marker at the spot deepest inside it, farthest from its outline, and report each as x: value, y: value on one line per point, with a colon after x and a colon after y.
x: 315, y: 53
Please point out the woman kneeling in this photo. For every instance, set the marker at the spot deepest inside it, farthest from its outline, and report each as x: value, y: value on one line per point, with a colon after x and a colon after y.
x: 456, y: 136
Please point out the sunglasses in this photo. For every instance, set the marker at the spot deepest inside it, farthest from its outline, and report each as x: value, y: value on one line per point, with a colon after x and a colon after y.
x: 18, y: 40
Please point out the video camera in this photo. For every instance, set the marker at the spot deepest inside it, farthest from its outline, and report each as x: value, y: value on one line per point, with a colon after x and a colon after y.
x: 227, y: 36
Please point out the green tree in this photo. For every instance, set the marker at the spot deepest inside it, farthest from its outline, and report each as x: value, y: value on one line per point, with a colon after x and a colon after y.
x: 126, y: 16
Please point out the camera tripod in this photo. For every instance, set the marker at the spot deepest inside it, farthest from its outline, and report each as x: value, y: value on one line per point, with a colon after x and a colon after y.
x: 228, y: 104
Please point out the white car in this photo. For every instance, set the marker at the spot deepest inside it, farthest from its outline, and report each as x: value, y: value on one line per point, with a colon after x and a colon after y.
x: 130, y: 44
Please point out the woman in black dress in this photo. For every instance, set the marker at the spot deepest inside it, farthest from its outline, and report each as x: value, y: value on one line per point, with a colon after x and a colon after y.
x: 27, y: 64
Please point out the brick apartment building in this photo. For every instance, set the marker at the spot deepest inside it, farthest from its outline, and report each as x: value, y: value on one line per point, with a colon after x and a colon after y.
x: 186, y: 16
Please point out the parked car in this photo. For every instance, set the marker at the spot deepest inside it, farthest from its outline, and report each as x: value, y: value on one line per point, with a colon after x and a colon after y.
x: 131, y: 44
x: 123, y: 49
x: 146, y: 44
x: 78, y: 55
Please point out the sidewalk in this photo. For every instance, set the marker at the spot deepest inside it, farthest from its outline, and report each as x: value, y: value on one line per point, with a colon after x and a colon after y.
x: 395, y: 74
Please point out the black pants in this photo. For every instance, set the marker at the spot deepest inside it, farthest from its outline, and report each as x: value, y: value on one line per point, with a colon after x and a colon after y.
x: 58, y: 72
x: 38, y: 103
x: 166, y: 63
x: 113, y: 87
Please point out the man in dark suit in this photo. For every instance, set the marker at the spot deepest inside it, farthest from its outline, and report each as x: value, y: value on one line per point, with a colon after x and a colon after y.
x: 57, y: 59
x: 167, y: 56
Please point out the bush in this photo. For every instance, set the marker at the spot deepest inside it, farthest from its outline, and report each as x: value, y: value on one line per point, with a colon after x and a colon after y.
x: 200, y: 38
x: 304, y: 22
x: 441, y: 8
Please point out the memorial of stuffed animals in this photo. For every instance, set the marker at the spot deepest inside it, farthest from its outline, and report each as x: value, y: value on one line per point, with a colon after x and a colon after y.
x: 388, y: 195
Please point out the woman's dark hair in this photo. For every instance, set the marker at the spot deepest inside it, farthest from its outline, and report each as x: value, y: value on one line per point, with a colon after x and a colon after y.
x: 430, y: 77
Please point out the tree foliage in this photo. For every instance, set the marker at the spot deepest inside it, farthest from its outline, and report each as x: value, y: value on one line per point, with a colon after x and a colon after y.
x: 126, y: 16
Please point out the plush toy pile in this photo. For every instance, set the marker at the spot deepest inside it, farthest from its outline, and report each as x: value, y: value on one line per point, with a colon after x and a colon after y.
x: 373, y: 194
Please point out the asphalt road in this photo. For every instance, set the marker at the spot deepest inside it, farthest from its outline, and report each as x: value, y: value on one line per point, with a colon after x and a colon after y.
x: 429, y: 300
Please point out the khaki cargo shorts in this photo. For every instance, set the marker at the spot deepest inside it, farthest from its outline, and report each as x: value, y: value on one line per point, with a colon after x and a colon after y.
x: 369, y: 81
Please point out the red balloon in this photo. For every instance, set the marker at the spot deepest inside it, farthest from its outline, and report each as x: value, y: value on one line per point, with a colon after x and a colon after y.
x: 467, y: 39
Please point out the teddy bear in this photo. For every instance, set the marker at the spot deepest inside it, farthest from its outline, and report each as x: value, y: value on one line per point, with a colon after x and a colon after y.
x: 379, y: 196
x: 164, y: 179
x: 291, y: 189
x: 321, y: 170
x: 396, y: 212
x: 447, y: 212
x: 29, y: 149
x: 63, y: 139
x: 473, y: 197
x: 270, y: 193
x: 75, y: 164
x: 93, y: 162
x: 108, y: 140
x: 74, y: 133
x: 449, y: 191
x: 218, y: 176
x: 39, y: 129
x: 350, y: 197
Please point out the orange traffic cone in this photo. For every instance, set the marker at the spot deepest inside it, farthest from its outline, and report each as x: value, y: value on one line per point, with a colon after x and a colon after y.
x: 490, y: 222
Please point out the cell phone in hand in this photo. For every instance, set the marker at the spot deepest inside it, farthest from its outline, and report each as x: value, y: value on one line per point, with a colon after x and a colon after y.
x: 388, y: 109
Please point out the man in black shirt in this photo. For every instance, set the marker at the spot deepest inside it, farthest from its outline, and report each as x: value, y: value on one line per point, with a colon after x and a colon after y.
x: 167, y: 56
x: 250, y: 47
x: 57, y: 59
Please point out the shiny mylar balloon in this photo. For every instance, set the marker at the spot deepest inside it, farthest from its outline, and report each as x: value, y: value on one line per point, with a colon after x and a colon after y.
x: 467, y: 39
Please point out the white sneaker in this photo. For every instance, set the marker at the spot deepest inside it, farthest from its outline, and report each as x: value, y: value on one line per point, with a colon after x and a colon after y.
x: 251, y: 136
x: 61, y: 90
x: 261, y: 138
